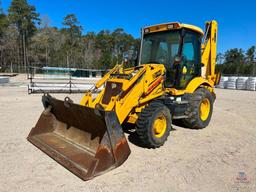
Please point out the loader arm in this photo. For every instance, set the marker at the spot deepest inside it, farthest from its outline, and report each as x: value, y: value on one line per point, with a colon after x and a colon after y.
x: 107, y: 75
x: 122, y: 95
x: 87, y: 98
x: 144, y: 91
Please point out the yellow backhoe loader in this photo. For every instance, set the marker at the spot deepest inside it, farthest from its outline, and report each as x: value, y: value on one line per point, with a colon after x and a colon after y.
x: 175, y: 79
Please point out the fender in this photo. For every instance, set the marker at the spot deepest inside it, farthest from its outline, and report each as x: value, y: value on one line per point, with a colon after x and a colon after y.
x: 197, y: 82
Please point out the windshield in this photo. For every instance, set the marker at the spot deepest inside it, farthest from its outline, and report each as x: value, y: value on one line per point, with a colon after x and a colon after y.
x: 160, y: 47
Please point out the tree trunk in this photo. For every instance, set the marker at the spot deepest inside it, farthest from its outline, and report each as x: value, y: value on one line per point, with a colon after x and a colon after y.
x: 46, y: 56
x: 11, y: 68
x: 24, y: 50
x: 254, y: 68
x: 19, y: 53
x: 67, y: 60
x: 1, y: 56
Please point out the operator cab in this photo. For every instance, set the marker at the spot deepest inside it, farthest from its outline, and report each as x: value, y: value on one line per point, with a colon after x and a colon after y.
x: 176, y: 46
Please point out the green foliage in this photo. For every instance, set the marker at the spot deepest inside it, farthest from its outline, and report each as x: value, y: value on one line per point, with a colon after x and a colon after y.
x: 67, y: 47
x: 72, y: 29
x: 24, y: 16
x: 251, y: 54
x: 23, y: 41
x: 3, y: 23
x: 236, y: 61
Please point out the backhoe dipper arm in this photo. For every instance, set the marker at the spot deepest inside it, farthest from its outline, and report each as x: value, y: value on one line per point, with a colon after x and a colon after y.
x: 209, y: 47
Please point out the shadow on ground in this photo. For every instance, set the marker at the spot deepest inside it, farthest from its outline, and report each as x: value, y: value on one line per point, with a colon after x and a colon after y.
x: 132, y: 135
x: 181, y: 124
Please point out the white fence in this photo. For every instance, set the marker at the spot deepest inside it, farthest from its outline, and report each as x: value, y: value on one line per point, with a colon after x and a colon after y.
x: 4, y: 80
x: 61, y: 80
x: 240, y: 83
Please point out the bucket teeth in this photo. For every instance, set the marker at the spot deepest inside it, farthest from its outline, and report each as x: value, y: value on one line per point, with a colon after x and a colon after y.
x: 86, y: 141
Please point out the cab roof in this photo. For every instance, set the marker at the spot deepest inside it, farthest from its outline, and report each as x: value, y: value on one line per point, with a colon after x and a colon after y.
x: 171, y: 26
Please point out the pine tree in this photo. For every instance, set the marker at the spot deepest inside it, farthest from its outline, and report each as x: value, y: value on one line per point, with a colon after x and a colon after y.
x: 73, y: 32
x: 25, y: 18
x: 250, y: 54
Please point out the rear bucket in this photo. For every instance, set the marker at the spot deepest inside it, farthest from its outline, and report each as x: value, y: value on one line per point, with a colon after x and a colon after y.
x: 86, y: 141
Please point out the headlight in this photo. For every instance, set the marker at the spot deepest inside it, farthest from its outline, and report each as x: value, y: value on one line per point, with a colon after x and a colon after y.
x: 171, y: 26
x: 146, y: 31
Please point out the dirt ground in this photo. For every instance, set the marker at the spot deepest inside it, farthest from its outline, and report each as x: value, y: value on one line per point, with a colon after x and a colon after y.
x: 191, y: 160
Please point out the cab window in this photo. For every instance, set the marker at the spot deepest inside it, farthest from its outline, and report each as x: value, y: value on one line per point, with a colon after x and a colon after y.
x: 190, y: 65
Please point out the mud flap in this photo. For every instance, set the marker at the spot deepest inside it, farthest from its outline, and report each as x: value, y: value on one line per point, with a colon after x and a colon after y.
x: 86, y: 141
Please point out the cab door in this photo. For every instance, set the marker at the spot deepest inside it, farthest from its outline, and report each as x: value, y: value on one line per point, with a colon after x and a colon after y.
x: 190, y: 65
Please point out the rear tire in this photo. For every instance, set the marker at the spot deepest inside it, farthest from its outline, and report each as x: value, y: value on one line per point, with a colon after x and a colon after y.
x: 200, y: 109
x: 154, y: 125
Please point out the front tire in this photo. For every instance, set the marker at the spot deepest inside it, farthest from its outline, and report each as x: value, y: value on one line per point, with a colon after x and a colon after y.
x: 200, y: 109
x: 154, y: 125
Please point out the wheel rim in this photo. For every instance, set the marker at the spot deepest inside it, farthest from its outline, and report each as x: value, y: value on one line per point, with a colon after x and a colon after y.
x: 205, y: 109
x: 159, y: 126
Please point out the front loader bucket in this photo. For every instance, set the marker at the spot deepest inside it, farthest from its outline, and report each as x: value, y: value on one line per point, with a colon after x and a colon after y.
x: 86, y: 141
